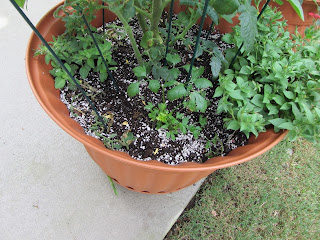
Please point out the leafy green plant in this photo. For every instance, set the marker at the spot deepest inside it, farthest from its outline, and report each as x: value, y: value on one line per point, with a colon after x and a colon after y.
x: 276, y: 83
x: 262, y: 85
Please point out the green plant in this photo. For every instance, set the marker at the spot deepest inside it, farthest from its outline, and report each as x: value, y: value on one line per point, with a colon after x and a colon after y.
x: 276, y: 83
x: 245, y: 89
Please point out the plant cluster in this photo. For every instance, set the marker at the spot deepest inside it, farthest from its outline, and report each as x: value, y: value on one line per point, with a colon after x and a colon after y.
x: 275, y: 80
x: 276, y: 83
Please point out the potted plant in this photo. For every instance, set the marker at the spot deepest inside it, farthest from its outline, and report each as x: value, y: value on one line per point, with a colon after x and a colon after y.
x: 180, y: 89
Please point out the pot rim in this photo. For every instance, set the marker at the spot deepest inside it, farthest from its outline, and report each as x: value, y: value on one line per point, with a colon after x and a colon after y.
x: 88, y: 141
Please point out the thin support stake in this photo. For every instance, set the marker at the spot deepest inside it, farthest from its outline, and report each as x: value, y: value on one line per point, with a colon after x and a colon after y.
x: 169, y: 31
x: 209, y: 30
x: 237, y: 53
x: 103, y: 59
x: 58, y: 60
x: 103, y: 18
x: 198, y: 39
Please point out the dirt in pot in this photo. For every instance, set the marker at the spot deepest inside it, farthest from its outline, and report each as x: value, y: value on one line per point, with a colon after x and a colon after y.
x: 129, y: 126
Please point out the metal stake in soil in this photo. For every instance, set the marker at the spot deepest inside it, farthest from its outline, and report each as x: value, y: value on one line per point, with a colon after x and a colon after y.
x: 58, y: 60
x: 169, y: 31
x: 103, y: 18
x: 96, y: 44
x: 204, y: 13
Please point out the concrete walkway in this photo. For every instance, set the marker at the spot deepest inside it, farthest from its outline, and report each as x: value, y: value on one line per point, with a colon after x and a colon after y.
x: 49, y: 186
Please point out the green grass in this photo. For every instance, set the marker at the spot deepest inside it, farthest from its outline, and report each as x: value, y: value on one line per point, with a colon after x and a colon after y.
x: 275, y: 196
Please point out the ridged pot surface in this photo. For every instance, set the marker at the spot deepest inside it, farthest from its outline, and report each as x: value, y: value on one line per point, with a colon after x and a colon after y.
x: 147, y: 177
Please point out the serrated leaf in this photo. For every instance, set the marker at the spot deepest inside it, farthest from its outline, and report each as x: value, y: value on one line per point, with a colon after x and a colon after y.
x: 215, y: 64
x: 202, y: 83
x: 213, y: 15
x: 200, y: 102
x: 128, y: 11
x: 177, y: 92
x: 154, y: 85
x: 140, y: 71
x: 133, y: 89
x: 173, y: 58
x: 248, y: 25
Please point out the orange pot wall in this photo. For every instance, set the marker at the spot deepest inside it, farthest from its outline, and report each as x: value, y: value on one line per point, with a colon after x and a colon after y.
x: 148, y: 177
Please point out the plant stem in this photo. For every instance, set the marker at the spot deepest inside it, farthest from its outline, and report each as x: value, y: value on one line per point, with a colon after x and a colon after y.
x: 157, y: 9
x: 131, y: 37
x: 142, y: 12
x: 140, y: 16
x: 184, y: 32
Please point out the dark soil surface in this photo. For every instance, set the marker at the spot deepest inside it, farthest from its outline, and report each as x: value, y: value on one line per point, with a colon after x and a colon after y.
x: 126, y: 114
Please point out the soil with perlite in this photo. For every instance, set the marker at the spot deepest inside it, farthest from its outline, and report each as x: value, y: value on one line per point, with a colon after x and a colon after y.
x: 127, y: 114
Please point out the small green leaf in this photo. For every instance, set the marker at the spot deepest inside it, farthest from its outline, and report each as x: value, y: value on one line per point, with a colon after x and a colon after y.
x: 257, y: 100
x: 200, y: 102
x: 233, y: 125
x: 308, y: 113
x: 177, y: 92
x: 140, y: 71
x: 59, y: 82
x: 236, y: 94
x: 286, y: 125
x: 225, y: 6
x: 154, y: 85
x: 279, y: 99
x: 84, y: 72
x: 218, y: 92
x: 90, y: 62
x: 147, y: 40
x: 173, y: 58
x: 47, y: 58
x: 133, y: 89
x: 289, y: 94
x: 215, y: 66
x: 202, y: 83
x: 20, y: 3
x: 277, y: 121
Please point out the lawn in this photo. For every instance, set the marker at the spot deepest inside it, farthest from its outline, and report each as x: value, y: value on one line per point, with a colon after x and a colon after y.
x: 275, y: 196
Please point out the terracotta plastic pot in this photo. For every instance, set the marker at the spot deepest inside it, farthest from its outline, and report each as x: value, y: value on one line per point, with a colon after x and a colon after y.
x: 147, y: 177
x: 289, y: 14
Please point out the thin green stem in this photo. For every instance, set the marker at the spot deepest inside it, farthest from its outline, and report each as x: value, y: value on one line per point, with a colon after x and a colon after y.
x: 131, y: 37
x: 140, y: 16
x: 142, y: 12
x: 185, y: 30
x: 157, y: 9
